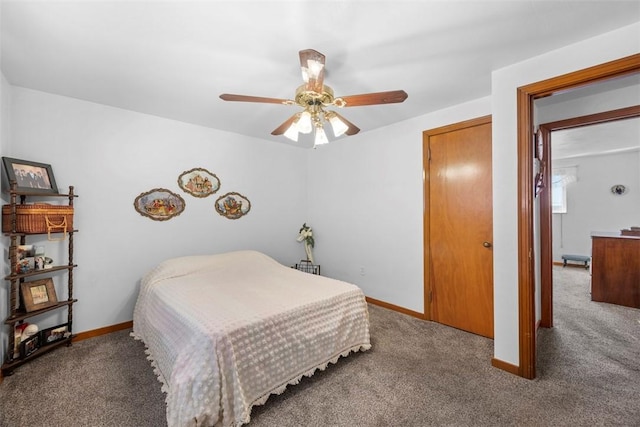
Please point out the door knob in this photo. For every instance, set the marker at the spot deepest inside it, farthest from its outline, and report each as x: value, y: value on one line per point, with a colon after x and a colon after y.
x: 486, y: 244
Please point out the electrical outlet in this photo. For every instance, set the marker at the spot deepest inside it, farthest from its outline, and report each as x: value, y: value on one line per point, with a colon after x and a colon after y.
x: 362, y: 272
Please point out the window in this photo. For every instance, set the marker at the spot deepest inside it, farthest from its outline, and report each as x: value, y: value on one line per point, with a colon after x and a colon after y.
x: 560, y: 178
x: 558, y: 195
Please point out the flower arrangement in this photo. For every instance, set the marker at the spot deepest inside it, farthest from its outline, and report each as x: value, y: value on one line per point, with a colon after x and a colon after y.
x: 306, y: 235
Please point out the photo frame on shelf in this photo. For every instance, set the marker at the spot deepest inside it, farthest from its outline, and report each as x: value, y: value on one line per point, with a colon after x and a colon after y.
x: 30, y: 345
x: 25, y: 265
x: 54, y: 334
x: 25, y: 251
x: 38, y: 294
x: 30, y: 177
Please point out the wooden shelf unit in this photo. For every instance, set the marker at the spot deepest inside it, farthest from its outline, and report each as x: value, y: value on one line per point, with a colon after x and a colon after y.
x: 17, y: 314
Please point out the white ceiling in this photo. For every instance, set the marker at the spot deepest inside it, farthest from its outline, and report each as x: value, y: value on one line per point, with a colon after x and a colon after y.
x: 620, y: 136
x: 174, y: 58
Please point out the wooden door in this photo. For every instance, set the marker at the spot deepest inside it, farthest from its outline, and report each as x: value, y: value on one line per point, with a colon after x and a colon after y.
x: 459, y: 218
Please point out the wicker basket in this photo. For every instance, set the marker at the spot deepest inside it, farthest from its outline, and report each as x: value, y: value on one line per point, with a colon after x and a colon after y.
x: 39, y: 218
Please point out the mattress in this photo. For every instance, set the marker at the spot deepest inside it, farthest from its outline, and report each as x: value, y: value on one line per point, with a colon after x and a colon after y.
x: 223, y: 332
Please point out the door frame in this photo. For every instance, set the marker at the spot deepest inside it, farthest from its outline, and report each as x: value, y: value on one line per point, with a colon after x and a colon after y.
x: 546, y: 231
x: 426, y: 208
x: 526, y: 274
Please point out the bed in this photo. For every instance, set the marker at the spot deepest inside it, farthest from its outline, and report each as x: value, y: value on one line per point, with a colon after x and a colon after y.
x: 223, y: 332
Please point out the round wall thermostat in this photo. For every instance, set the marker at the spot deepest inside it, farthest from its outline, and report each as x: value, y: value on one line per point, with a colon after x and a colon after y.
x: 618, y: 189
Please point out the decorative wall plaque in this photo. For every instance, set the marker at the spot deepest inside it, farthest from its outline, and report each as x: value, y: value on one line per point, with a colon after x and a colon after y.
x: 233, y: 205
x: 199, y: 182
x: 619, y: 189
x: 159, y: 204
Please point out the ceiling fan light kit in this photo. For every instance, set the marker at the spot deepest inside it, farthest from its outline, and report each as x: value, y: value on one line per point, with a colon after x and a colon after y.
x: 314, y: 97
x: 292, y: 133
x: 339, y: 127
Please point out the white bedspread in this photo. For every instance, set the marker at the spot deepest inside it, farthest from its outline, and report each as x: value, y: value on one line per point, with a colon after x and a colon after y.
x: 223, y: 332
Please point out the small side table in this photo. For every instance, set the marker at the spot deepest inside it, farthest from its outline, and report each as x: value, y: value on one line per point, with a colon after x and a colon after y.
x: 307, y: 267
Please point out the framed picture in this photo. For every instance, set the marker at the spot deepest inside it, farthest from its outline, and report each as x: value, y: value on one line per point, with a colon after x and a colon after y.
x: 29, y: 345
x: 25, y: 265
x: 30, y: 177
x: 25, y: 251
x: 39, y: 262
x: 159, y: 204
x: 38, y: 294
x: 233, y: 205
x: 54, y: 334
x: 199, y: 182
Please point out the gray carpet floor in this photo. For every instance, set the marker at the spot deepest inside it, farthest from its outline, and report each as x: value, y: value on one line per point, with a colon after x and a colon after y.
x: 417, y: 374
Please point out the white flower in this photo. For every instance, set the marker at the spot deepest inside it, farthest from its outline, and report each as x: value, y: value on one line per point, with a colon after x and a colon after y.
x: 306, y: 234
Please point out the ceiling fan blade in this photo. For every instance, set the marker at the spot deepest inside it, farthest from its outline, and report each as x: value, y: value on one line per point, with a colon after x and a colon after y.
x: 284, y: 126
x: 353, y: 129
x: 246, y: 98
x: 312, y: 65
x: 389, y: 97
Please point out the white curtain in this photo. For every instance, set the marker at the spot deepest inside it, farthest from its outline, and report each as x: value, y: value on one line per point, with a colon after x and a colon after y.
x: 564, y: 175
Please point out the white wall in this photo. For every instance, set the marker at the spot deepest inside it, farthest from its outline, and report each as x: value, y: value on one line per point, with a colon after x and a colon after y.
x: 112, y: 155
x: 591, y: 206
x: 366, y: 206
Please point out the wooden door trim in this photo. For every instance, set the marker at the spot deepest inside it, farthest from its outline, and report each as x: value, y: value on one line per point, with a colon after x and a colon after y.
x: 426, y: 262
x: 546, y: 231
x: 546, y: 249
x: 526, y: 282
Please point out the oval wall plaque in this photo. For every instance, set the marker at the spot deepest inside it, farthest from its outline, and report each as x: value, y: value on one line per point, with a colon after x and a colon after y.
x: 159, y: 204
x: 233, y: 205
x: 199, y: 182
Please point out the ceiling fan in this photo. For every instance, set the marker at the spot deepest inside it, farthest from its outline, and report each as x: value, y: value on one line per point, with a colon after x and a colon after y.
x: 314, y: 97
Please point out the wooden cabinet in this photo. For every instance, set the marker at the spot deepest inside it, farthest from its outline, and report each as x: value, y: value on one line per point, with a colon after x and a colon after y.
x: 615, y: 269
x: 50, y: 338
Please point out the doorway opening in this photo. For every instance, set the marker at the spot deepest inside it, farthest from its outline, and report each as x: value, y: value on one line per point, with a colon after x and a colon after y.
x: 547, y: 204
x: 526, y: 95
